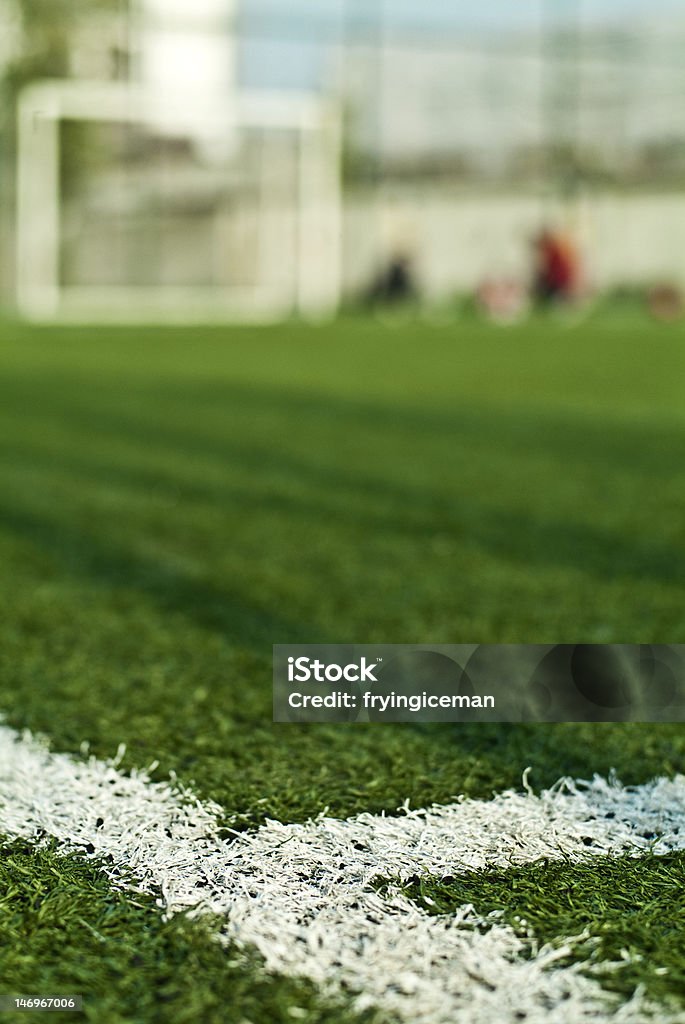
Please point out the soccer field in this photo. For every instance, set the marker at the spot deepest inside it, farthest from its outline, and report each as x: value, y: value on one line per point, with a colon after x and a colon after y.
x: 175, y: 501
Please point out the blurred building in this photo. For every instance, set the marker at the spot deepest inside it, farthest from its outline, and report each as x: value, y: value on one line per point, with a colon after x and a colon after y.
x: 187, y: 54
x: 457, y: 147
x: 613, y: 101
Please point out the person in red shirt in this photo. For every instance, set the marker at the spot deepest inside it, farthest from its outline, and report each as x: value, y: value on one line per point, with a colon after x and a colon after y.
x: 557, y: 269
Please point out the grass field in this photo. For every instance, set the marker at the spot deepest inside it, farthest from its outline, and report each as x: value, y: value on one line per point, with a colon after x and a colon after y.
x: 174, y: 502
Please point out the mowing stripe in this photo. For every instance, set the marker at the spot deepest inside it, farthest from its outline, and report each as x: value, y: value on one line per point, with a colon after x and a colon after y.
x: 300, y: 893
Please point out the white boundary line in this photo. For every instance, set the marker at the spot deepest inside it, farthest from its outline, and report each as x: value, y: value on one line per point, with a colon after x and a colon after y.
x: 300, y: 895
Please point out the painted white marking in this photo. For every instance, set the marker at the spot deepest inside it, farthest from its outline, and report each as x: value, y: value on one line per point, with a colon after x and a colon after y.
x: 300, y: 893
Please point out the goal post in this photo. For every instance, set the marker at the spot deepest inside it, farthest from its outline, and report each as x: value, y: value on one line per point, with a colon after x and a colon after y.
x: 293, y: 231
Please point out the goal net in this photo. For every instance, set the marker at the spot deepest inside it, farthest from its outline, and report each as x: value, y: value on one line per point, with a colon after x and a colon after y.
x: 122, y: 218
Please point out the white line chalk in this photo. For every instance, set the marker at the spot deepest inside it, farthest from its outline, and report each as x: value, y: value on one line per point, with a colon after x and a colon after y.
x: 300, y: 893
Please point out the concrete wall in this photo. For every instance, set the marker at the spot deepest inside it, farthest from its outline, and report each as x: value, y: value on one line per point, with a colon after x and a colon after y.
x: 458, y: 239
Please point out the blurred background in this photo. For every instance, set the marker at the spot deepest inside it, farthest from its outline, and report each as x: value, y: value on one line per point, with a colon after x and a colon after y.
x: 173, y: 501
x: 244, y: 159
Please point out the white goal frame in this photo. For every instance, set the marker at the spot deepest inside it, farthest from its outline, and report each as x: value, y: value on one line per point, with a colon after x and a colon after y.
x: 41, y: 295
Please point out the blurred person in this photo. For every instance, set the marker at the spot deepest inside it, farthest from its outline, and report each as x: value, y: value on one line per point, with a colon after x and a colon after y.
x: 502, y: 300
x: 556, y: 277
x: 665, y: 302
x: 395, y: 285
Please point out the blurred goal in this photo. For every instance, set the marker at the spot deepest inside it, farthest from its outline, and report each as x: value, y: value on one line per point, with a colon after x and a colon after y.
x: 121, y: 219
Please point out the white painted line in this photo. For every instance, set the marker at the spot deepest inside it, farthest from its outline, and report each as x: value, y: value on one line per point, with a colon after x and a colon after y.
x: 299, y: 893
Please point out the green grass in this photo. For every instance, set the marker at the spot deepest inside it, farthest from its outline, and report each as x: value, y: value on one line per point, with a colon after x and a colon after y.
x: 174, y: 502
x: 624, y: 911
x: 66, y: 933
